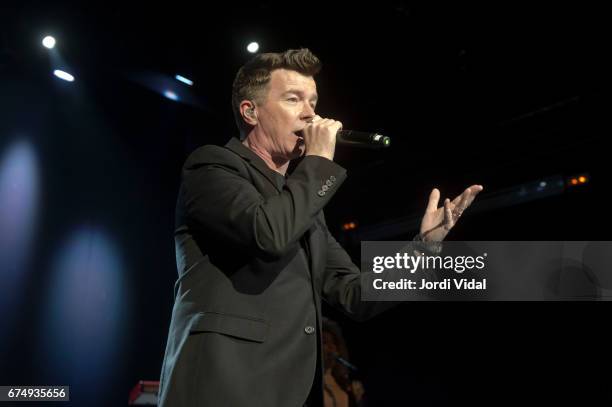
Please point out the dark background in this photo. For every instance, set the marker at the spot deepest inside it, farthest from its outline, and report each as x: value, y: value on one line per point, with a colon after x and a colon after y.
x: 501, y: 95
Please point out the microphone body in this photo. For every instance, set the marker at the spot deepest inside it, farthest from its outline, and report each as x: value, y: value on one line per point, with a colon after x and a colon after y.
x: 362, y: 139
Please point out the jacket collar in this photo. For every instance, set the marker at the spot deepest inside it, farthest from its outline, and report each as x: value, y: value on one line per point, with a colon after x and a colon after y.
x: 249, y: 155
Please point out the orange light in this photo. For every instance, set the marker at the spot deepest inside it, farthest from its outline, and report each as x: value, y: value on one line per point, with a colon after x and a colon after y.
x: 349, y: 226
x: 582, y: 179
x: 574, y: 181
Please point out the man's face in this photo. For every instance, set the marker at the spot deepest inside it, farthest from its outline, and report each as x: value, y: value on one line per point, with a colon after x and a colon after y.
x: 289, y: 105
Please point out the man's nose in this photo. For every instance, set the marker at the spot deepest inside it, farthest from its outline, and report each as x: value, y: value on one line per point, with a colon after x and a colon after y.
x: 308, y: 113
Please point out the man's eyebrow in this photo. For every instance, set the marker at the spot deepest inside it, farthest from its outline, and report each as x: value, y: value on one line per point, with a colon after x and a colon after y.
x: 301, y: 93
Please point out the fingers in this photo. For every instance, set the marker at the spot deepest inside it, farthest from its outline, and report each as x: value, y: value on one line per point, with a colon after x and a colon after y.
x: 434, y: 198
x: 474, y: 190
x: 452, y: 211
x: 334, y: 124
x: 470, y: 195
x: 320, y: 136
x: 327, y: 128
x: 449, y: 220
x: 330, y: 123
x: 320, y: 120
x: 460, y: 204
x: 463, y: 201
x: 315, y: 119
x: 338, y: 124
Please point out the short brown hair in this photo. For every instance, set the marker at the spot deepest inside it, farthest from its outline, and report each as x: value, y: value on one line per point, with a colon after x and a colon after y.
x: 252, y: 79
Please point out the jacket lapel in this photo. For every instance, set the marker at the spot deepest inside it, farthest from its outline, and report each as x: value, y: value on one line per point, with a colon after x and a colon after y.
x: 253, y: 159
x: 309, y: 240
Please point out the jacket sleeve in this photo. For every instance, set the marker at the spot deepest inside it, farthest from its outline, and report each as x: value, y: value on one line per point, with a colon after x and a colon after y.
x: 219, y: 199
x: 342, y: 285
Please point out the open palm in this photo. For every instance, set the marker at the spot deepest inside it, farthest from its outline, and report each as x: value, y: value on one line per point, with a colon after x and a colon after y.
x: 437, y: 222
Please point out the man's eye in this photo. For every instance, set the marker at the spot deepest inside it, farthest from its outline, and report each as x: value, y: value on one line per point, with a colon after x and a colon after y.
x: 293, y: 99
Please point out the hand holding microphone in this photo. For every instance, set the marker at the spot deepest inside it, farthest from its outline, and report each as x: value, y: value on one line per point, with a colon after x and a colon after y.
x: 320, y: 137
x: 325, y: 133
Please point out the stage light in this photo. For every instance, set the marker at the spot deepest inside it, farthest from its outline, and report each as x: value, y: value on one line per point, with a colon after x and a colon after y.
x: 48, y: 42
x: 349, y: 226
x: 84, y: 309
x: 20, y: 203
x: 63, y: 75
x: 253, y: 47
x: 184, y: 80
x: 541, y: 186
x: 171, y: 95
x: 577, y: 180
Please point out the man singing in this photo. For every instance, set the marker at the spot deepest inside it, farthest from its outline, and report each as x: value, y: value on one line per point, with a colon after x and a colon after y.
x: 254, y: 255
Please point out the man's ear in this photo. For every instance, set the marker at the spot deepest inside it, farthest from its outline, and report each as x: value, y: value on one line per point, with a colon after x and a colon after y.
x: 248, y: 112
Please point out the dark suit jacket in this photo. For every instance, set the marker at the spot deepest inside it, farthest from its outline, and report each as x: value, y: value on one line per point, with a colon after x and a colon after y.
x: 248, y: 301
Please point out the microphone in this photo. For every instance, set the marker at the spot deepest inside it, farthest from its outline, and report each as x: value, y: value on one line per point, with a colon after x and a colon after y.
x: 362, y: 139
